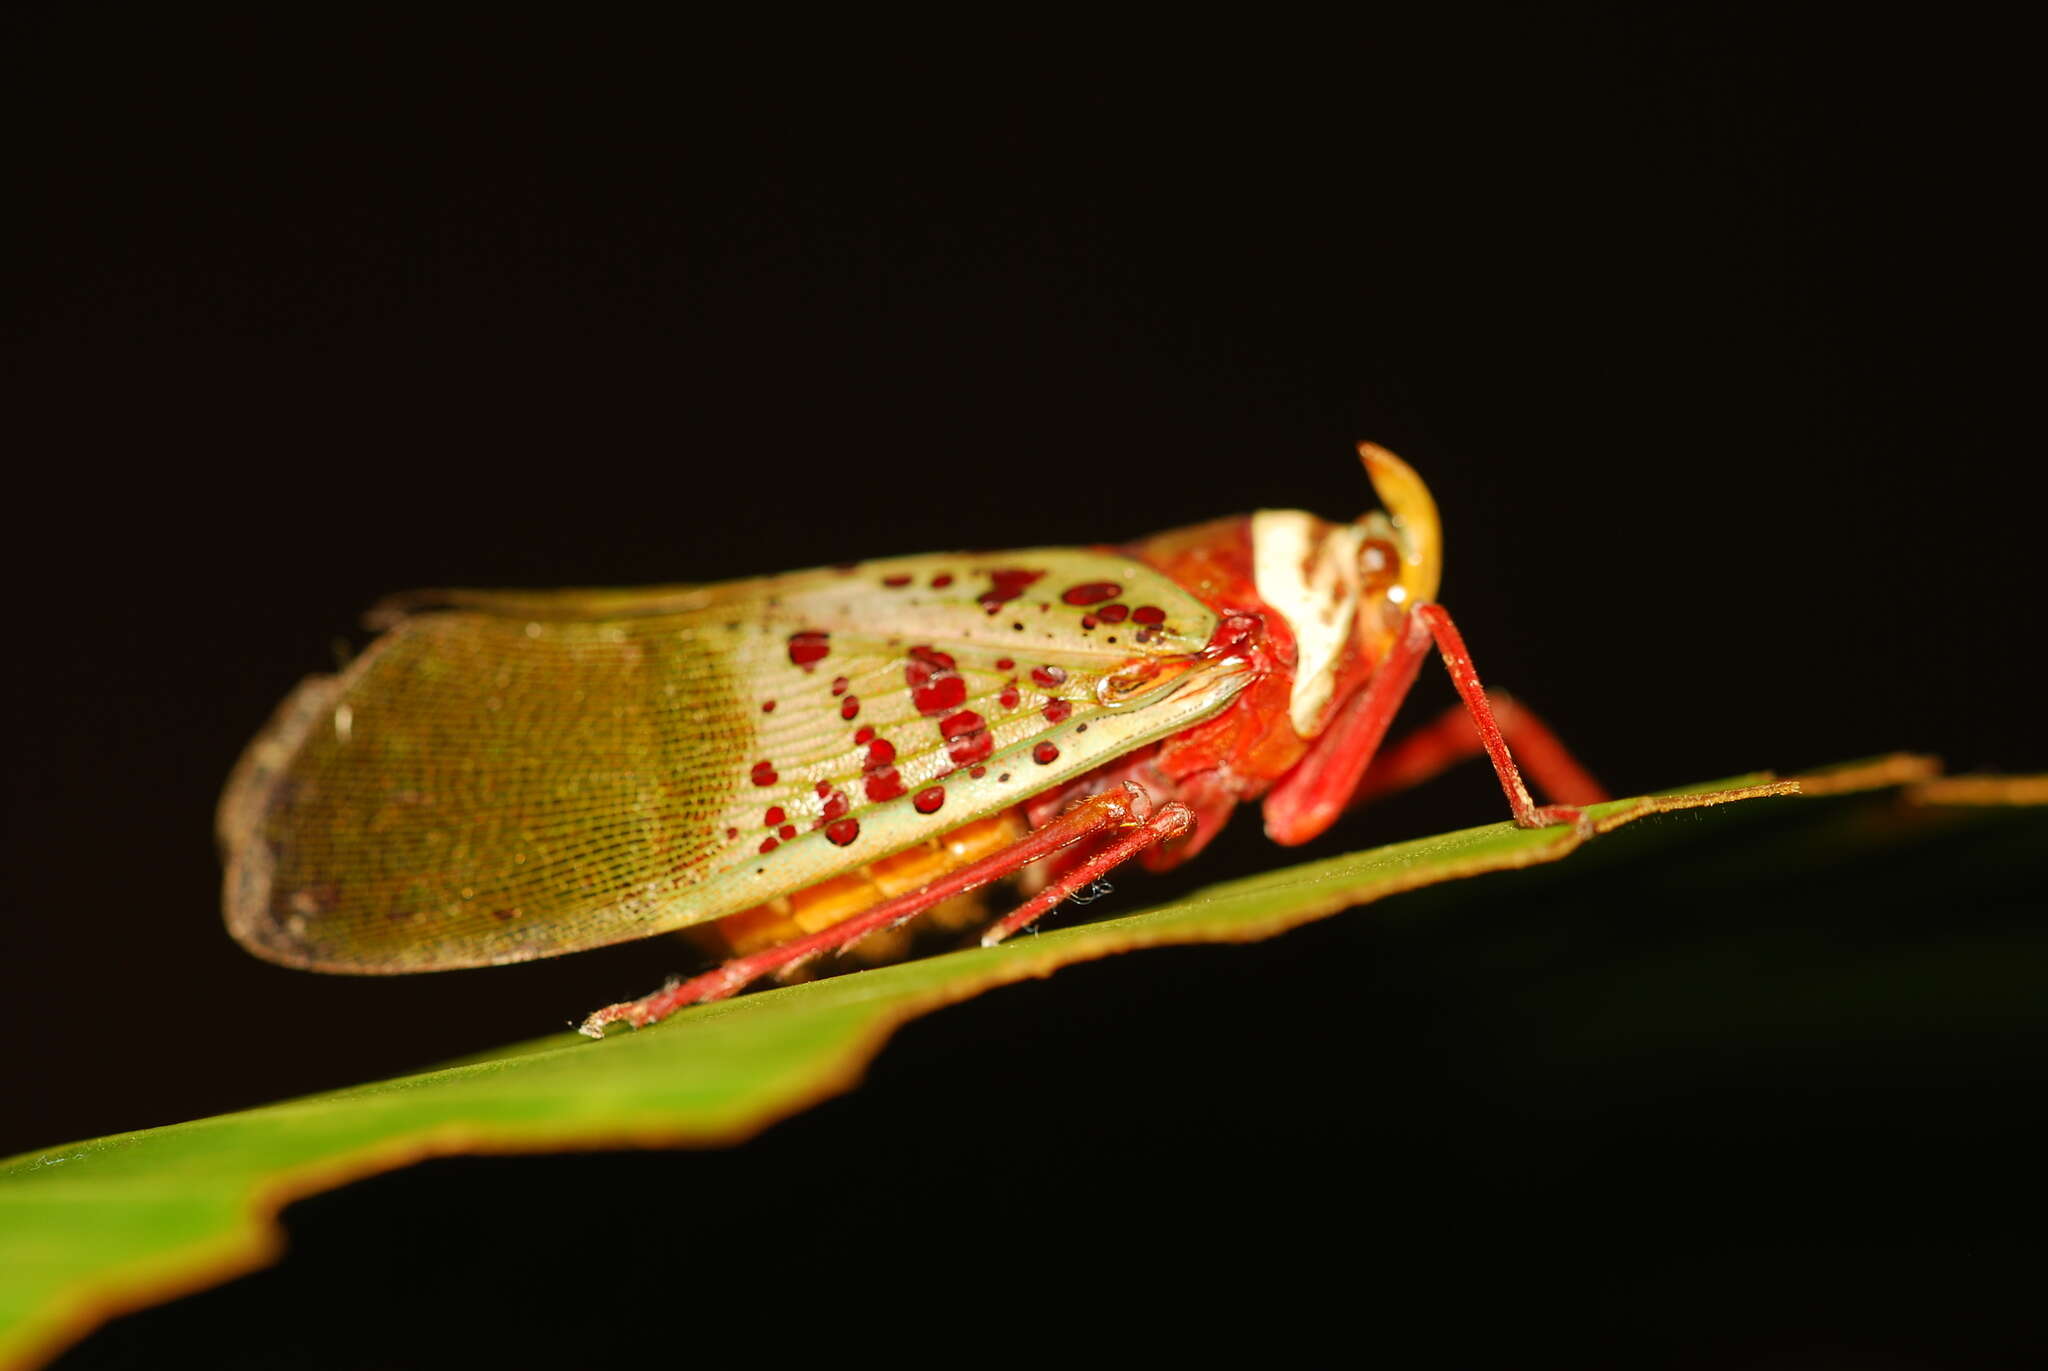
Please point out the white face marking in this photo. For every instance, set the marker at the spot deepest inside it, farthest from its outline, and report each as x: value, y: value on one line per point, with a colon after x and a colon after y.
x: 1308, y: 570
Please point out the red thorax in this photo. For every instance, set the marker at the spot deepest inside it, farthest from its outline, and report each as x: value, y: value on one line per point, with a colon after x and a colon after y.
x: 1239, y: 753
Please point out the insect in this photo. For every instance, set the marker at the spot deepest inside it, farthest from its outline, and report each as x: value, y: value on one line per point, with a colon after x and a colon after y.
x: 802, y: 760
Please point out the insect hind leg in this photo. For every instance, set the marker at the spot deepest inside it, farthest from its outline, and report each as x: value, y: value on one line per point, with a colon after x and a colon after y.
x: 1124, y: 811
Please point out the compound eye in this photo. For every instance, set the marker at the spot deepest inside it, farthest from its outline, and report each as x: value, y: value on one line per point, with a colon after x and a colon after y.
x: 1379, y: 566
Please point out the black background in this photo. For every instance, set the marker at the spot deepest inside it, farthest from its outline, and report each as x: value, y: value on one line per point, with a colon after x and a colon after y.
x: 1715, y: 345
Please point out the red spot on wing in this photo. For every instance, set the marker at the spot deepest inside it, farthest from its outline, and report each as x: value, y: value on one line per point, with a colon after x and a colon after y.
x: 764, y: 773
x: 978, y: 772
x: 769, y: 844
x: 767, y: 706
x: 895, y: 582
x: 1048, y: 676
x: 1056, y: 711
x: 1045, y: 754
x: 824, y: 788
x: 786, y: 831
x: 1091, y: 593
x: 864, y: 737
x: 935, y: 687
x: 944, y: 693
x: 1004, y: 664
x: 1113, y: 614
x: 774, y: 816
x: 967, y: 737
x: 942, y: 580
x: 843, y: 832
x: 839, y: 684
x: 1088, y: 621
x: 1008, y: 699
x: 928, y: 800
x: 836, y: 805
x: 881, y: 782
x: 808, y: 648
x: 1148, y: 614
x: 850, y: 708
x: 926, y: 662
x: 1005, y: 586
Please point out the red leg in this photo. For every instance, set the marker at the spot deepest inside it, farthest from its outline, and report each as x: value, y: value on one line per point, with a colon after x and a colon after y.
x: 1309, y: 798
x: 1121, y: 807
x: 1458, y: 661
x: 1210, y: 797
x: 1451, y: 738
x: 1168, y: 821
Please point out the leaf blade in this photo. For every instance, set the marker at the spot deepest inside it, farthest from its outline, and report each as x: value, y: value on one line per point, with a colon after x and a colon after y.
x: 169, y: 1210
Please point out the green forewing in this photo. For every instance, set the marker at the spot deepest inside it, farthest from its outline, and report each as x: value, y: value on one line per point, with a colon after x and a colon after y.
x: 512, y: 775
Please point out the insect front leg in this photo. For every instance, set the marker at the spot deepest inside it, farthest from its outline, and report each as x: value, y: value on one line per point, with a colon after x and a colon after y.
x: 1458, y: 661
x: 1310, y: 797
x: 1123, y: 809
x: 1451, y: 738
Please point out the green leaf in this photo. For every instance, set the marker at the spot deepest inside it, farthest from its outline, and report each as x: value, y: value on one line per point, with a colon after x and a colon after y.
x: 95, y: 1228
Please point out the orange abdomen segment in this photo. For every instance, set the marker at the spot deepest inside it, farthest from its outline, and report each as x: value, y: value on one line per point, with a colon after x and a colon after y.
x: 828, y: 902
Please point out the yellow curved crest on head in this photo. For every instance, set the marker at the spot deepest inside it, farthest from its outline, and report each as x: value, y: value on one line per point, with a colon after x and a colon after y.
x: 1412, y: 511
